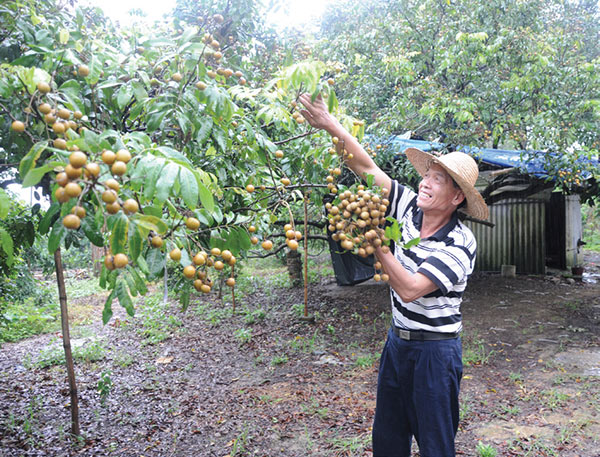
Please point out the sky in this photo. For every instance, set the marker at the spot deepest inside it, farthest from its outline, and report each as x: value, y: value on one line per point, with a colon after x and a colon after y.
x: 295, y: 11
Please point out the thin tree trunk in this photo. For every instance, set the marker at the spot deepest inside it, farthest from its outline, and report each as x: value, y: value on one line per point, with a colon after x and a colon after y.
x: 64, y: 318
x: 305, y: 256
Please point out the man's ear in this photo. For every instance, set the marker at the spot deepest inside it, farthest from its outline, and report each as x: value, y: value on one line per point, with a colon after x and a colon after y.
x: 458, y: 198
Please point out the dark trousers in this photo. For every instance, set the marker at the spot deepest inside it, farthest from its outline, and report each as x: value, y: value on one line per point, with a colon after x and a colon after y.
x: 417, y: 395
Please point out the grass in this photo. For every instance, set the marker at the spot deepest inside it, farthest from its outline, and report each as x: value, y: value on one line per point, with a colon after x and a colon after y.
x: 355, y: 446
x: 474, y: 350
x: 157, y: 321
x: 485, y: 450
x: 55, y: 354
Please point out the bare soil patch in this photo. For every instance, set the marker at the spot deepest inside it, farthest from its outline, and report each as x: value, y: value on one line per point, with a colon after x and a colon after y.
x: 265, y: 383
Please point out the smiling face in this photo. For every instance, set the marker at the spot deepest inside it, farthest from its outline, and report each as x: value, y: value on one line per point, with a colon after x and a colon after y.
x: 437, y: 192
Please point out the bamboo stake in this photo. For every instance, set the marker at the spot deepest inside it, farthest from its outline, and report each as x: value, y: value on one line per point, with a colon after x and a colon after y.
x: 233, y: 289
x: 305, y: 256
x: 64, y: 318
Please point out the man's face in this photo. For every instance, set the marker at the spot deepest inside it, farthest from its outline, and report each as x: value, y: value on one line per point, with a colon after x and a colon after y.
x: 437, y: 192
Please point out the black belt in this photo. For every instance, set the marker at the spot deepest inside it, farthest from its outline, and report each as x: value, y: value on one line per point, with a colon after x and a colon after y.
x: 422, y: 335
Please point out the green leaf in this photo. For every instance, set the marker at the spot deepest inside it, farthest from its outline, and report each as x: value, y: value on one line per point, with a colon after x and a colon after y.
x: 156, y: 263
x: 107, y: 311
x: 135, y: 241
x: 139, y: 281
x: 59, y: 231
x: 5, y: 203
x: 148, y: 223
x: 189, y: 187
x: 7, y: 245
x: 89, y: 227
x: 184, y: 299
x: 124, y: 96
x: 206, y: 197
x: 412, y: 243
x: 166, y: 180
x: 49, y: 218
x: 118, y: 237
x: 28, y: 162
x: 35, y: 175
x: 123, y: 296
x: 370, y: 179
x: 130, y: 283
x: 393, y: 231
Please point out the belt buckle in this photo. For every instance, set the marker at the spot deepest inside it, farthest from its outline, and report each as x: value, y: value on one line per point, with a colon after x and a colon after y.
x: 404, y: 334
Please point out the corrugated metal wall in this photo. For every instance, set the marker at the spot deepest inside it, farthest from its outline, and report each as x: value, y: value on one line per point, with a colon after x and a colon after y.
x: 518, y: 237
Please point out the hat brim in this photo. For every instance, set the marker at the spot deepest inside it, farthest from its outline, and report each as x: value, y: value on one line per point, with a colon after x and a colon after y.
x: 476, y: 206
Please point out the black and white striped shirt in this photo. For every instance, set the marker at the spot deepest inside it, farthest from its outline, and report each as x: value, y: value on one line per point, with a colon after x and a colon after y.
x: 447, y: 258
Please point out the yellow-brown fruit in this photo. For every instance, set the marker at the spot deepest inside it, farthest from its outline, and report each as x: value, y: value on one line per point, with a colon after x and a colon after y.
x: 176, y: 77
x: 108, y: 157
x: 285, y: 181
x: 331, y: 81
x: 252, y: 229
x: 123, y: 155
x: 157, y: 241
x: 298, y: 235
x: 205, y: 288
x: 377, y: 277
x: 71, y: 221
x: 201, y: 85
x: 175, y: 254
x: 250, y: 188
x: 109, y: 262
x: 64, y: 113
x: 60, y: 195
x: 43, y: 87
x: 49, y: 118
x: 131, y: 206
x: 18, y: 126
x: 230, y: 282
x: 254, y: 240
x: 287, y: 227
x: 119, y: 168
x: 192, y: 223
x: 189, y: 271
x: 226, y: 255
x: 215, y: 251
x: 72, y: 172
x: 120, y: 260
x: 109, y: 196
x: 232, y: 261
x: 267, y: 245
x: 219, y: 265
x: 292, y: 244
x: 62, y: 179
x: 92, y: 170
x: 290, y: 234
x: 83, y: 70
x: 59, y: 127
x: 73, y: 190
x: 44, y: 108
x: 199, y: 259
x: 211, y: 74
x: 198, y: 283
x: 385, y: 277
x: 77, y: 115
x: 77, y: 159
x: 72, y: 125
x: 279, y: 154
x: 113, y: 208
x: 79, y: 211
x: 242, y: 81
x: 112, y: 184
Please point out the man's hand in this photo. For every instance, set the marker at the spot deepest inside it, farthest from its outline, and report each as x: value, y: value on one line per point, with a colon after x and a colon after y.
x: 316, y: 113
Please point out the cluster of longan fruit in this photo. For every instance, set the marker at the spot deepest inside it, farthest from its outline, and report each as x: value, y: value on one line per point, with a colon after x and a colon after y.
x: 202, y: 261
x: 356, y: 219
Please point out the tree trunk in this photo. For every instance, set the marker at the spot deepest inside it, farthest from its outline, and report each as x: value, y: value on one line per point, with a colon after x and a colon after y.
x: 64, y: 318
x: 97, y: 254
x: 294, y: 266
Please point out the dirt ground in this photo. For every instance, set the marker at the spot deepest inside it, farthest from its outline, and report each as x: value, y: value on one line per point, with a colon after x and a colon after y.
x: 264, y: 382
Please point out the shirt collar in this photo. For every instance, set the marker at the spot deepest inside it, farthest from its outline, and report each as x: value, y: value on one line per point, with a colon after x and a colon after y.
x: 442, y: 233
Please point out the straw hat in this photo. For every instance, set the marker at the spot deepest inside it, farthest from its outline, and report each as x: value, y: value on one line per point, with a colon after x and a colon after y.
x: 462, y: 168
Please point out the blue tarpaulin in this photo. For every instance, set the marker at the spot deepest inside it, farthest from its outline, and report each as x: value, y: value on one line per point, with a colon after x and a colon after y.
x: 530, y: 162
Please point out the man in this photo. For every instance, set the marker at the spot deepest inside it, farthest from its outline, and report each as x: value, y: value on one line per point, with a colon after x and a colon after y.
x: 421, y: 363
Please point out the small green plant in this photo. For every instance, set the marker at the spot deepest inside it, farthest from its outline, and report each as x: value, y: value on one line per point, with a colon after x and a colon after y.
x: 298, y: 309
x: 255, y: 316
x: 315, y: 409
x: 517, y: 378
x: 366, y: 361
x: 485, y: 450
x: 466, y: 407
x: 243, y: 335
x: 279, y: 360
x: 55, y: 355
x: 239, y: 444
x: 351, y: 447
x: 553, y: 399
x: 331, y: 329
x: 474, y: 351
x: 104, y: 386
x: 505, y: 410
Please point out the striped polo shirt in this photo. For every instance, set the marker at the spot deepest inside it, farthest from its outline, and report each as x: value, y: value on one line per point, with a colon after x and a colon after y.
x: 447, y: 258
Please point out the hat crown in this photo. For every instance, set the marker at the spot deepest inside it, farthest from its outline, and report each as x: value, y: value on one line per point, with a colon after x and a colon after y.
x: 462, y: 165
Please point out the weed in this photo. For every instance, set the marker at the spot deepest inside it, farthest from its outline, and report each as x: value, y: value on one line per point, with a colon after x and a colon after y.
x: 212, y: 315
x: 239, y: 444
x: 366, y: 361
x: 302, y: 344
x: 351, y: 447
x: 517, y: 378
x: 55, y: 355
x: 123, y: 359
x: 331, y: 329
x: 298, y: 309
x: 466, y: 407
x: 314, y: 409
x: 531, y: 448
x: 553, y: 399
x: 104, y: 386
x: 474, y: 351
x: 255, y: 316
x: 505, y: 410
x: 243, y: 335
x: 157, y: 323
x: 485, y: 450
x: 279, y: 360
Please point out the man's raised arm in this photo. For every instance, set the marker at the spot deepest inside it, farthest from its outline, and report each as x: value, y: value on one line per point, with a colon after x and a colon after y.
x: 318, y: 116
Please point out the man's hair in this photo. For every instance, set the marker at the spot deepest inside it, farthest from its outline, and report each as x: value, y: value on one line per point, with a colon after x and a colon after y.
x: 464, y: 202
